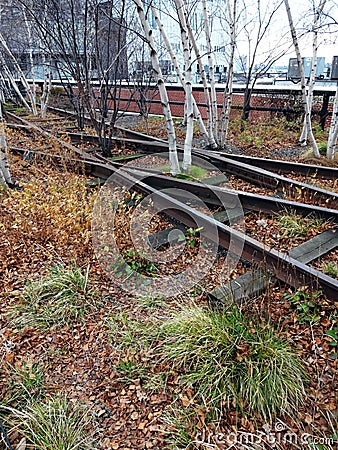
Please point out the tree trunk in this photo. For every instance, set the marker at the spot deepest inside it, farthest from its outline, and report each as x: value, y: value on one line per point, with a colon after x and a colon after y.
x: 47, y: 85
x: 332, y: 140
x: 23, y: 79
x: 189, y: 114
x: 303, y: 137
x: 307, y: 114
x: 227, y: 99
x: 211, y: 137
x: 5, y: 175
x: 211, y: 69
x: 13, y: 83
x: 173, y: 58
x: 173, y: 158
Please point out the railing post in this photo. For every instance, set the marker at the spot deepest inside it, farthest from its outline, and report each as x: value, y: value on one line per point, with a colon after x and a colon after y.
x: 324, y: 111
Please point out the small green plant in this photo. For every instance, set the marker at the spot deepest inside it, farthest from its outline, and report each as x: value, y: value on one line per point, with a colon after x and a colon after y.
x: 293, y: 225
x: 191, y: 237
x: 3, y: 189
x: 322, y: 148
x: 226, y: 357
x: 156, y: 381
x: 151, y: 302
x: 128, y: 370
x: 331, y: 269
x: 61, y: 297
x: 182, y: 423
x: 135, y: 261
x: 333, y: 334
x: 125, y: 332
x: 53, y: 425
x: 305, y: 306
x: 24, y: 385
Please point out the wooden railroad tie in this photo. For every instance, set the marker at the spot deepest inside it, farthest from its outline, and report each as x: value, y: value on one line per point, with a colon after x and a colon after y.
x: 253, y: 283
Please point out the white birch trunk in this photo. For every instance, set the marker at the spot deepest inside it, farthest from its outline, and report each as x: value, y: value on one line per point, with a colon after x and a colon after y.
x: 23, y: 79
x: 188, y: 87
x: 307, y: 113
x: 47, y: 85
x: 173, y: 58
x: 32, y: 97
x: 211, y: 137
x: 5, y: 175
x: 332, y: 139
x: 227, y: 100
x: 211, y: 69
x: 318, y: 13
x: 13, y: 83
x: 173, y: 158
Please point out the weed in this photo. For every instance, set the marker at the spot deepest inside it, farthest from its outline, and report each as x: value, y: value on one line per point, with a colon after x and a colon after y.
x: 156, y: 381
x: 331, y: 269
x: 136, y: 261
x: 61, y: 297
x: 333, y: 334
x: 304, y: 305
x: 152, y: 302
x: 129, y: 370
x: 183, y: 429
x: 228, y: 358
x: 322, y: 148
x: 23, y: 385
x: 3, y: 189
x: 126, y: 332
x: 192, y: 237
x: 56, y: 424
x: 293, y: 225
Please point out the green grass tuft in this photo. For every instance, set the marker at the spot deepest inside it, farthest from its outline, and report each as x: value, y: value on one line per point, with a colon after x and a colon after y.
x: 53, y: 425
x: 331, y: 269
x: 293, y: 225
x: 227, y: 358
x: 23, y: 386
x: 58, y: 299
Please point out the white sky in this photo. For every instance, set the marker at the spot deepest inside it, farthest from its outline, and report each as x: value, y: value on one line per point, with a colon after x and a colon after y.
x: 300, y: 10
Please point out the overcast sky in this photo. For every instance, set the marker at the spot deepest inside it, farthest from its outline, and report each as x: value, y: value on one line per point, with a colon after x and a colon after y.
x: 301, y: 10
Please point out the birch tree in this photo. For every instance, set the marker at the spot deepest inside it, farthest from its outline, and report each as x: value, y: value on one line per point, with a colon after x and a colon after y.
x: 333, y: 133
x: 305, y: 104
x: 211, y: 69
x: 5, y: 175
x: 315, y: 30
x: 32, y: 107
x: 227, y: 97
x: 173, y: 158
x: 188, y: 87
x: 178, y: 70
x: 210, y: 119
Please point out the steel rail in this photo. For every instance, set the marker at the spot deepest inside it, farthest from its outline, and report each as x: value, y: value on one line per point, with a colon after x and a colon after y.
x: 28, y: 127
x: 281, y: 166
x: 284, y: 267
x: 218, y: 197
x: 262, y: 177
x: 277, y: 165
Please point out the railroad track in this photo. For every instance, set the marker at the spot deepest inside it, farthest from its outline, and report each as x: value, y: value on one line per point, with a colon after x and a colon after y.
x: 283, y: 266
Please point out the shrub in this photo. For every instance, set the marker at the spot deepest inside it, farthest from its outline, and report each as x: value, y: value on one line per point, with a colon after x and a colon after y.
x: 53, y: 425
x: 227, y: 358
x: 59, y: 298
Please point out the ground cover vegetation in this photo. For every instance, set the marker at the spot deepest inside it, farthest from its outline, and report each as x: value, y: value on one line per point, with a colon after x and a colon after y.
x: 86, y: 365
